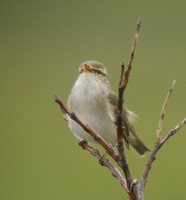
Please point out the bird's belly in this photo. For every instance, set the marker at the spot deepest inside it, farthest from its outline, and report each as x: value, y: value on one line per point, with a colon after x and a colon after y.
x: 101, y: 123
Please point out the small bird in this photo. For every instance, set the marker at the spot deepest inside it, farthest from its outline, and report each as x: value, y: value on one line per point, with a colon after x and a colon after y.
x: 94, y: 102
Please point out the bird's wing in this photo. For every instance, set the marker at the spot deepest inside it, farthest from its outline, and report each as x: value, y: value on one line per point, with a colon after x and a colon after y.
x: 113, y: 101
x: 130, y: 135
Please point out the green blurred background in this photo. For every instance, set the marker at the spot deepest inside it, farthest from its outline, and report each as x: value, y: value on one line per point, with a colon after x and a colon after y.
x: 42, y: 43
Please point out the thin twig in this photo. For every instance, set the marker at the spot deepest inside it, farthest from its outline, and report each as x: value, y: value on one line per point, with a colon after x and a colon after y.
x: 157, y: 147
x: 124, y: 163
x: 162, y: 114
x: 109, y: 149
x: 124, y: 78
x: 105, y: 162
x: 173, y: 131
x: 159, y: 142
x: 131, y: 59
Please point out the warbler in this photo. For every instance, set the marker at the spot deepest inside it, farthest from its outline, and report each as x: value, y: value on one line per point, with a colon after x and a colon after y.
x: 94, y: 102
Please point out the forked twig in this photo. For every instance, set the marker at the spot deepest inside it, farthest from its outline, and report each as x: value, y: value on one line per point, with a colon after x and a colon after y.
x: 124, y: 79
x: 174, y: 131
x: 159, y: 142
x: 124, y: 164
x: 157, y: 147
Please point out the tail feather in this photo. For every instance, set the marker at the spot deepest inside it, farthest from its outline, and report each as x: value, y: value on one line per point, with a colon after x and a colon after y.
x: 137, y: 144
x: 131, y: 135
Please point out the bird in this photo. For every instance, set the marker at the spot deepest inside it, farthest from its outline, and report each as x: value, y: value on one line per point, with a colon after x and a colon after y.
x: 95, y: 103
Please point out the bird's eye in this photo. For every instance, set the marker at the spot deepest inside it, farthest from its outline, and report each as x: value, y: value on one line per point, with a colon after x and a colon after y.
x: 99, y: 72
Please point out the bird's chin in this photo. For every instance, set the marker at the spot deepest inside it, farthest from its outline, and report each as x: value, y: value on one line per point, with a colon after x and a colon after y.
x: 86, y: 72
x: 88, y: 75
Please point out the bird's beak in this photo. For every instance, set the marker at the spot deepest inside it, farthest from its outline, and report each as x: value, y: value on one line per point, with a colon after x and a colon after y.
x: 86, y: 68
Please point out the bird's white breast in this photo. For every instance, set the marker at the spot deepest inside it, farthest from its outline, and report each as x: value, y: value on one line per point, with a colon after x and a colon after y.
x: 88, y: 99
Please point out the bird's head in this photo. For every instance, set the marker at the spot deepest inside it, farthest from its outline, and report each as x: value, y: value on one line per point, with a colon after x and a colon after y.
x: 93, y: 66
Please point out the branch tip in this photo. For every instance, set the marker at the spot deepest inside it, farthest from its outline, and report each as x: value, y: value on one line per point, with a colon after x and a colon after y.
x: 139, y: 22
x: 173, y: 84
x: 162, y: 114
x: 56, y: 97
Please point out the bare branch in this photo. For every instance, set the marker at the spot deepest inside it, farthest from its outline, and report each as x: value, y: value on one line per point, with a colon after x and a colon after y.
x: 162, y: 115
x: 149, y: 165
x: 173, y: 131
x: 124, y: 164
x: 105, y: 162
x: 109, y: 149
x: 124, y: 78
x: 159, y: 142
x: 158, y: 145
x: 131, y: 59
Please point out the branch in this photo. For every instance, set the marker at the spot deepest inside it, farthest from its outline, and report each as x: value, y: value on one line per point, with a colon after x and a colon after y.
x: 131, y: 59
x: 160, y: 142
x: 88, y: 129
x: 173, y: 131
x: 162, y: 114
x: 124, y: 163
x: 105, y: 162
x: 124, y: 79
x: 102, y: 160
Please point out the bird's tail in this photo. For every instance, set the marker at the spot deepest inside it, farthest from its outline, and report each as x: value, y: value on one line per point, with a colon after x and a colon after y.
x: 130, y: 135
x: 137, y: 144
